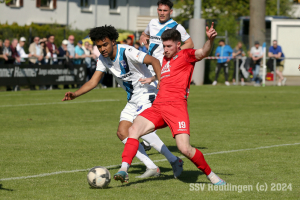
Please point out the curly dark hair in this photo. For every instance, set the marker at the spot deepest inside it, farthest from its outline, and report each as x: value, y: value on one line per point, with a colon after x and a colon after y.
x: 165, y: 2
x: 99, y: 33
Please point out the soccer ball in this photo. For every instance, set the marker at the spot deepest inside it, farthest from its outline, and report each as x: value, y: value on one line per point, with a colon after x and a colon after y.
x: 98, y: 177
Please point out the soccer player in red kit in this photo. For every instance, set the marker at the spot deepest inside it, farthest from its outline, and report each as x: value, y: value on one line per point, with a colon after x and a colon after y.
x: 170, y: 105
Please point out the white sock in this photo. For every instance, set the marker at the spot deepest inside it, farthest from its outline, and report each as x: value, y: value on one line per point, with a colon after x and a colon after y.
x: 143, y: 157
x: 157, y: 144
x: 124, y: 167
x: 213, y: 178
x: 146, y: 143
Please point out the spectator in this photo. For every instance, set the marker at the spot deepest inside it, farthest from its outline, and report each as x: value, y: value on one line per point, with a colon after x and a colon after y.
x: 53, y: 50
x: 137, y: 45
x: 71, y: 47
x: 223, y: 50
x: 36, y: 52
x: 256, y: 54
x: 14, y: 52
x: 2, y: 55
x: 238, y: 53
x: 275, y: 52
x: 20, y: 49
x: 79, y: 53
x: 88, y: 59
x: 129, y: 41
x: 44, y: 50
x: 124, y: 42
x: 7, y: 52
x: 63, y: 51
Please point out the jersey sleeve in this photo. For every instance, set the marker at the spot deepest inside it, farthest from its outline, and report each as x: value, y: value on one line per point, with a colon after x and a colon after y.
x: 190, y: 55
x: 100, y: 66
x: 134, y: 55
x: 184, y: 35
x: 147, y: 30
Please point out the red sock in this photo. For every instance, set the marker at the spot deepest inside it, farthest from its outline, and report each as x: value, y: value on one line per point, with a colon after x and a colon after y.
x: 130, y: 150
x: 200, y: 162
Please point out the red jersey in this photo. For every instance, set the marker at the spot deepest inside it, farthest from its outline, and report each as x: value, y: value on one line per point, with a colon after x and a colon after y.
x: 176, y: 75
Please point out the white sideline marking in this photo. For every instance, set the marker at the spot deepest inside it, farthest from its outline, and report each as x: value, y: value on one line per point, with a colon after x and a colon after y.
x: 162, y: 160
x: 54, y: 103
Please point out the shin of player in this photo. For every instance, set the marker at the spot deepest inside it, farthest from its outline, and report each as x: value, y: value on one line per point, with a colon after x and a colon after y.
x: 177, y: 66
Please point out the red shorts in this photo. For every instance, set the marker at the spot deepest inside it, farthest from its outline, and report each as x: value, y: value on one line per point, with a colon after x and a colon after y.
x: 172, y: 114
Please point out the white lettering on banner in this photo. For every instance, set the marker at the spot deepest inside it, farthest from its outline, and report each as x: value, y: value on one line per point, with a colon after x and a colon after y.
x: 4, y: 72
x: 65, y: 78
x: 25, y: 72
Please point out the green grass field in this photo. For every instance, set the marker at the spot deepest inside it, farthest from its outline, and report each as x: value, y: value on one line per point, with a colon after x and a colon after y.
x: 39, y: 134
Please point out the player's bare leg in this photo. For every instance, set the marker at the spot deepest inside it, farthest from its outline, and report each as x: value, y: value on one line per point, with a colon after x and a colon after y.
x: 183, y: 144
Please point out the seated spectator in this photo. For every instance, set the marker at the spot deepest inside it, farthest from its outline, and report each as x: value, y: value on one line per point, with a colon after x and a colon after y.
x: 14, y: 51
x: 275, y: 52
x: 256, y: 53
x: 79, y: 53
x: 53, y: 50
x: 223, y: 50
x: 36, y: 52
x: 237, y: 54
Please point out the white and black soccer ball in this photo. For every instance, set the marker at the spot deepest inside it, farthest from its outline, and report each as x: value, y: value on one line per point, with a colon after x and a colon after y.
x: 81, y: 73
x: 98, y: 177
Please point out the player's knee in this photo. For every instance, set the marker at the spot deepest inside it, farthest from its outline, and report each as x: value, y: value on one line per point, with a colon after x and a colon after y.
x: 185, y: 150
x: 122, y: 134
x: 132, y: 131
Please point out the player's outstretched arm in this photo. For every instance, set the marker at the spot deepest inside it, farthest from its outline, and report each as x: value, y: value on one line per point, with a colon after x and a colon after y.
x: 88, y: 86
x: 299, y: 67
x: 150, y: 60
x: 205, y: 51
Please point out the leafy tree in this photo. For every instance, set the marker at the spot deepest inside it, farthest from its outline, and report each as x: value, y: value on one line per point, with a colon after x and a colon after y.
x: 218, y: 9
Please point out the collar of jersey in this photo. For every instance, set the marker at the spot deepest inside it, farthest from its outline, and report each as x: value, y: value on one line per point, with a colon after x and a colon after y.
x: 165, y: 22
x: 116, y: 53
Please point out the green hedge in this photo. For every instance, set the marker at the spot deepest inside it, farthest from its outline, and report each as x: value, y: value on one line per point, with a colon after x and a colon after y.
x: 30, y: 31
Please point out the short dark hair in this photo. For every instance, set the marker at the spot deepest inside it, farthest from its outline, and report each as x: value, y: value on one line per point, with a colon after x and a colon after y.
x: 165, y: 2
x: 138, y: 43
x: 171, y: 34
x: 129, y: 38
x: 221, y: 40
x: 50, y: 35
x: 100, y: 33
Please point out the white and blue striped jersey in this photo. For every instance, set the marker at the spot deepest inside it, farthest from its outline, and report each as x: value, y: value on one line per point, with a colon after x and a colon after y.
x: 128, y: 67
x: 155, y: 30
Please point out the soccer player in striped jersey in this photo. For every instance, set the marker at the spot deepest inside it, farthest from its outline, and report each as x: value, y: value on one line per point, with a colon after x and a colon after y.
x: 128, y: 65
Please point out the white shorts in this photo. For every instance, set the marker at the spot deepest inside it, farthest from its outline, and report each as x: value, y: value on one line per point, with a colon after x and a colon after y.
x: 133, y: 109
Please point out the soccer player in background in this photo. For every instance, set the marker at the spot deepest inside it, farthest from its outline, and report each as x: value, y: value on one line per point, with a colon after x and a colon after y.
x: 127, y: 64
x: 154, y: 30
x: 170, y: 105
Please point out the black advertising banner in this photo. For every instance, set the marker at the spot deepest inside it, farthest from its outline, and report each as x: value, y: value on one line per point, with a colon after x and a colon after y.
x: 41, y: 75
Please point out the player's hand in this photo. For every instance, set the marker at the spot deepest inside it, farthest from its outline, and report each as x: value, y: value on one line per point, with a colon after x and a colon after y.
x: 146, y: 80
x: 158, y: 85
x: 211, y: 32
x: 143, y: 39
x: 69, y: 96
